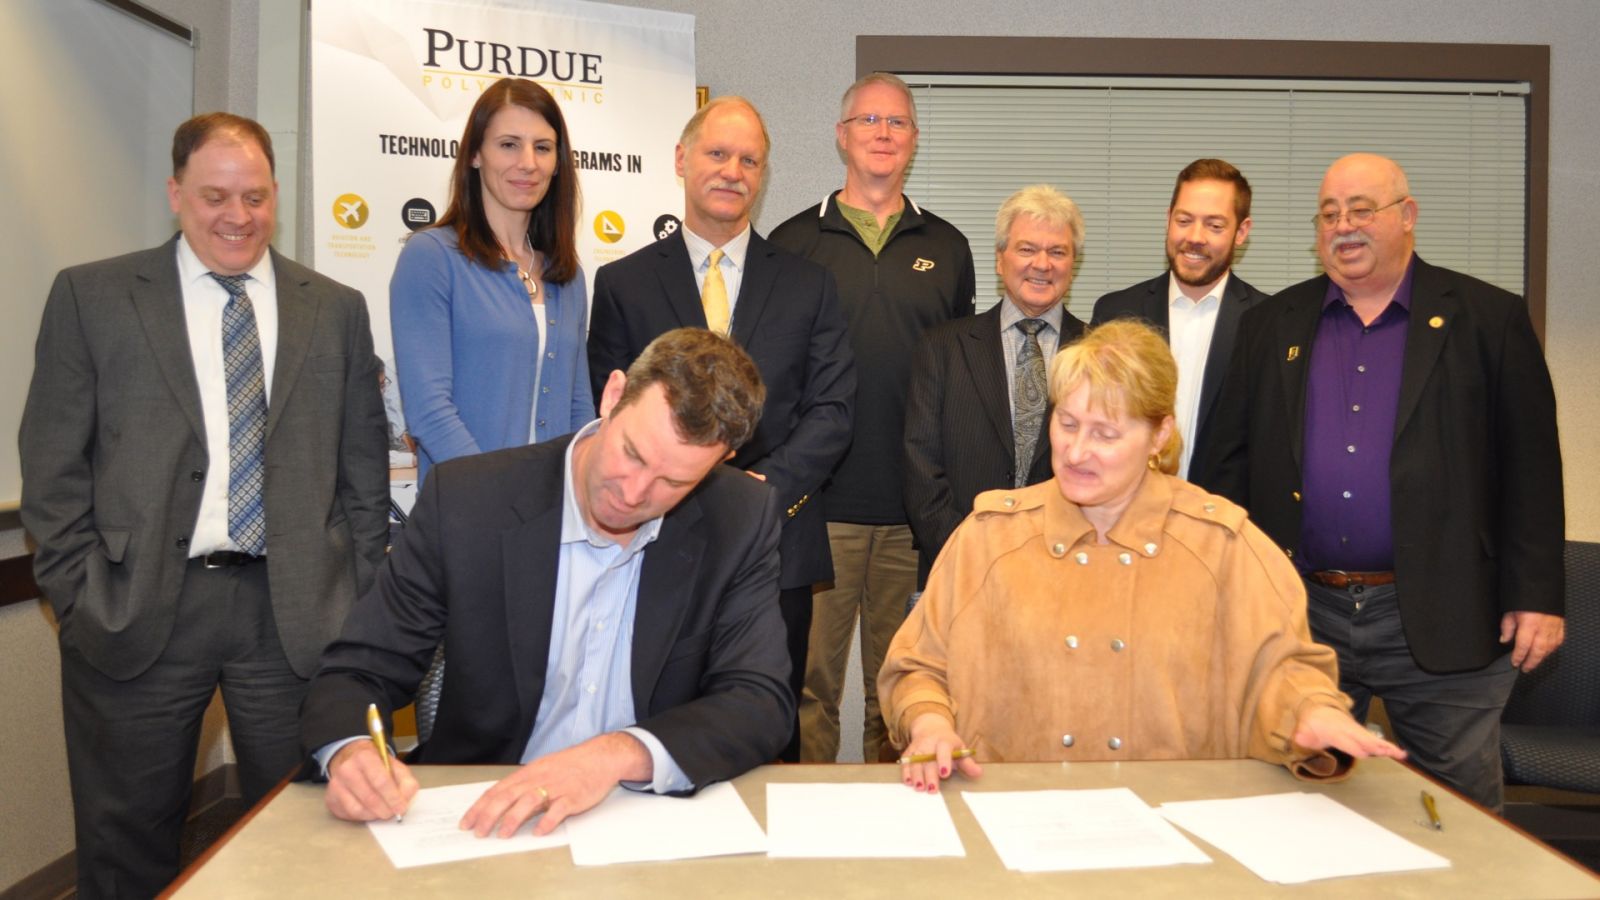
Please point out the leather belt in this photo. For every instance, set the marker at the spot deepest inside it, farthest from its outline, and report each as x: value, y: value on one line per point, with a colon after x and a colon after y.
x: 222, y: 559
x: 1338, y: 578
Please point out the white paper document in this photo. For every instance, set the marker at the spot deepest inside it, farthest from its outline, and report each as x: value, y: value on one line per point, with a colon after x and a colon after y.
x: 858, y: 821
x: 431, y: 832
x: 1299, y: 837
x: 1057, y: 831
x: 629, y: 826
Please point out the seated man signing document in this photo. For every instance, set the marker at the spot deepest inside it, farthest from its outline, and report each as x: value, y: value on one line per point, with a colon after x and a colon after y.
x: 1115, y: 612
x: 608, y: 602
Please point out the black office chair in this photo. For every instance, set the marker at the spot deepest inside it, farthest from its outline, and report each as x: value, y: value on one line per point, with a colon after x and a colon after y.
x: 1550, y: 732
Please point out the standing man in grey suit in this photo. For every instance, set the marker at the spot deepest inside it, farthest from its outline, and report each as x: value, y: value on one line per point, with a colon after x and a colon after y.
x: 204, y: 470
x: 1197, y: 302
x: 977, y: 411
x: 717, y: 272
x: 901, y: 269
x: 1392, y: 426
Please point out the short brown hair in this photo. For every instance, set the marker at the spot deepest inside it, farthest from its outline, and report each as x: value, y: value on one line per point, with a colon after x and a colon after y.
x: 1216, y: 170
x: 552, y: 229
x: 713, y: 387
x: 193, y: 134
x: 1129, y: 370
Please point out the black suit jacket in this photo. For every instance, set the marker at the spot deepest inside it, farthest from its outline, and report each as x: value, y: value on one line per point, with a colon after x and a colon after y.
x: 477, y: 566
x: 1475, y: 472
x: 1147, y: 300
x: 958, y: 440
x: 787, y: 317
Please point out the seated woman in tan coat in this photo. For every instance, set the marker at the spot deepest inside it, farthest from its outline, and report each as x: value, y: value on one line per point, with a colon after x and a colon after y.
x: 1115, y: 612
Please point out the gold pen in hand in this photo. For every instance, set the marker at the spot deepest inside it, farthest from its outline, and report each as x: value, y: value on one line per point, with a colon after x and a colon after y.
x: 963, y: 753
x: 1433, y: 811
x: 375, y: 728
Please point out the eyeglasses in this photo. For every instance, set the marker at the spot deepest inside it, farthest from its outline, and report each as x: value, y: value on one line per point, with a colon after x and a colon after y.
x: 1359, y: 216
x: 872, y: 120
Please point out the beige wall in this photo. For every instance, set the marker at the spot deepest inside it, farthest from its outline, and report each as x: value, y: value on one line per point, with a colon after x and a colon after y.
x: 793, y: 64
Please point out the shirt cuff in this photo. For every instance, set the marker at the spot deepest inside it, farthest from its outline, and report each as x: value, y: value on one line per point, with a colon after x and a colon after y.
x: 325, y: 753
x: 666, y: 777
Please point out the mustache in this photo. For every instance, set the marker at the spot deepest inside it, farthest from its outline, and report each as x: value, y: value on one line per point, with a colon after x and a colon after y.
x: 737, y: 187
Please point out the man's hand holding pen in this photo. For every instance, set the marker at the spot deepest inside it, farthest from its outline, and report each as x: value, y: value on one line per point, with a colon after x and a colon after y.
x: 360, y: 787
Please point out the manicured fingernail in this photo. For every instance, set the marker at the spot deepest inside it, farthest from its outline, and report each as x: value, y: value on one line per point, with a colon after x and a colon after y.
x: 944, y: 771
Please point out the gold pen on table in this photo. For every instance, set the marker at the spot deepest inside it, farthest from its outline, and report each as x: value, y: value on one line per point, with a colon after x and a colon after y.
x: 963, y: 753
x: 1433, y: 811
x: 375, y: 728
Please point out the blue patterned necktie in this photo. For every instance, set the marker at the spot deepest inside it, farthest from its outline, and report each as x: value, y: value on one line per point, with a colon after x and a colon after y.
x: 1029, y: 398
x: 247, y: 418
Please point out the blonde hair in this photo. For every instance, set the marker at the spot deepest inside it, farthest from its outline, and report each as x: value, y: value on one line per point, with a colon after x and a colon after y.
x: 1129, y: 370
x: 1045, y: 203
x: 691, y: 129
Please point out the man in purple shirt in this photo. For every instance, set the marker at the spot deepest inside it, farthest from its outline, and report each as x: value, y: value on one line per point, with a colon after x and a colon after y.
x: 1392, y: 425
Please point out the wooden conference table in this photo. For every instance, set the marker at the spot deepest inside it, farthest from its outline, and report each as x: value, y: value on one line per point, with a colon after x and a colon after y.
x: 292, y: 847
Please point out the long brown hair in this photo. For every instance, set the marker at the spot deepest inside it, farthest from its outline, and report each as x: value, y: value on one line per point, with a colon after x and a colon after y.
x: 553, y: 225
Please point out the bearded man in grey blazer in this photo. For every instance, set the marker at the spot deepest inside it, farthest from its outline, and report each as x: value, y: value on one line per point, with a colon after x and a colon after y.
x: 204, y: 472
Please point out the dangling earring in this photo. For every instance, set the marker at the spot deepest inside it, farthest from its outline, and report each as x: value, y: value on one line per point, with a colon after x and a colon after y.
x: 1155, y: 462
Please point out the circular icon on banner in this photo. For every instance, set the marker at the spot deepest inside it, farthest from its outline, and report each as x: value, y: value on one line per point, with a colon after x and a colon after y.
x: 350, y: 211
x: 417, y: 214
x: 608, y: 226
x: 667, y: 226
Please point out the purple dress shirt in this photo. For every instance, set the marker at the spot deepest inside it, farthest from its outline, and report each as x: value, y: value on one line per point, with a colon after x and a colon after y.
x: 1352, y: 396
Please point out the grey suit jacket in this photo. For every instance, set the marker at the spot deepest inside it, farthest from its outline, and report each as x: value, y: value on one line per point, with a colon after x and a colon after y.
x: 114, y: 458
x: 1147, y: 300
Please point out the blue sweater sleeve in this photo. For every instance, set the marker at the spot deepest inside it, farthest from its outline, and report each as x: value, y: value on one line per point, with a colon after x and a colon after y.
x: 420, y: 298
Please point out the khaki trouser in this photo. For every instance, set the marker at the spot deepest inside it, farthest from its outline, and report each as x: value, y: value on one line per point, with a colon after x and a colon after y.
x: 875, y: 571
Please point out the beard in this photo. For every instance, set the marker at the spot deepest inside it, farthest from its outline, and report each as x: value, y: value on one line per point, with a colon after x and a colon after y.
x: 1214, y: 269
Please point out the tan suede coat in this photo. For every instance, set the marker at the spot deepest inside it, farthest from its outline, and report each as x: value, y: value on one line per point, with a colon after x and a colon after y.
x: 1185, y: 637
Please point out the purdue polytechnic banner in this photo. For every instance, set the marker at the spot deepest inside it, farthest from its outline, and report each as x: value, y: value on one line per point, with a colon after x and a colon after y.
x: 392, y: 82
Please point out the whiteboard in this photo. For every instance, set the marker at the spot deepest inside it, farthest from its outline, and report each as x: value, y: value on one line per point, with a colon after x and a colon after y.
x: 90, y: 94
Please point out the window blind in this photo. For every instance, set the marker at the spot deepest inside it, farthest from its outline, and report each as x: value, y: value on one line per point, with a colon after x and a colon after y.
x: 1115, y: 146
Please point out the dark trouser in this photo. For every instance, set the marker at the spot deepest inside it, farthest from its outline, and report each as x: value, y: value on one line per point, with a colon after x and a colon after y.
x: 795, y: 606
x: 131, y: 745
x: 1448, y: 724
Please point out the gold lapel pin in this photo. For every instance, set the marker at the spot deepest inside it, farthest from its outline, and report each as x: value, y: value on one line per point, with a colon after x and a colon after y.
x: 1294, y: 353
x: 1436, y: 322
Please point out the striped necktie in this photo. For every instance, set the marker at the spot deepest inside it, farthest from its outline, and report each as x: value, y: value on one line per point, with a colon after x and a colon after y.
x: 247, y: 418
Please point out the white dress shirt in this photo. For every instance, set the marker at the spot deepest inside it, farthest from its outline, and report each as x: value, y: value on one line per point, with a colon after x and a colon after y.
x: 203, y: 301
x: 1189, y: 328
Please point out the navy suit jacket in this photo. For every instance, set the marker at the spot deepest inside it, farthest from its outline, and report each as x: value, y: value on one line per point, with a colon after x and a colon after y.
x: 958, y: 440
x: 476, y: 567
x: 1147, y: 300
x: 787, y: 318
x: 1474, y: 475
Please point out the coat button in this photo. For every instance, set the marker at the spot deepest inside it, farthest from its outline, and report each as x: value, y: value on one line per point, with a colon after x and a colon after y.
x: 197, y: 475
x: 1210, y: 507
x: 1082, y: 558
x: 1125, y: 558
x: 1117, y: 644
x: 1072, y: 642
x: 183, y: 543
x: 1150, y: 549
x: 1067, y: 740
x: 1295, y: 495
x: 1058, y: 550
x: 1115, y: 743
x: 1009, y: 502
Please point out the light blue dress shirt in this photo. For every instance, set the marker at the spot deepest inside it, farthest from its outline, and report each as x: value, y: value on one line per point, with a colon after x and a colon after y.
x: 588, y: 681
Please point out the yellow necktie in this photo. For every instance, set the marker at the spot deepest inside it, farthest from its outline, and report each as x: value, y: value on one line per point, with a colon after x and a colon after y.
x: 714, y: 296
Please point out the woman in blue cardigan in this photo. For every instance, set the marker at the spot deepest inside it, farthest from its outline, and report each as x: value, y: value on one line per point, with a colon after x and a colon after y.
x: 488, y: 307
